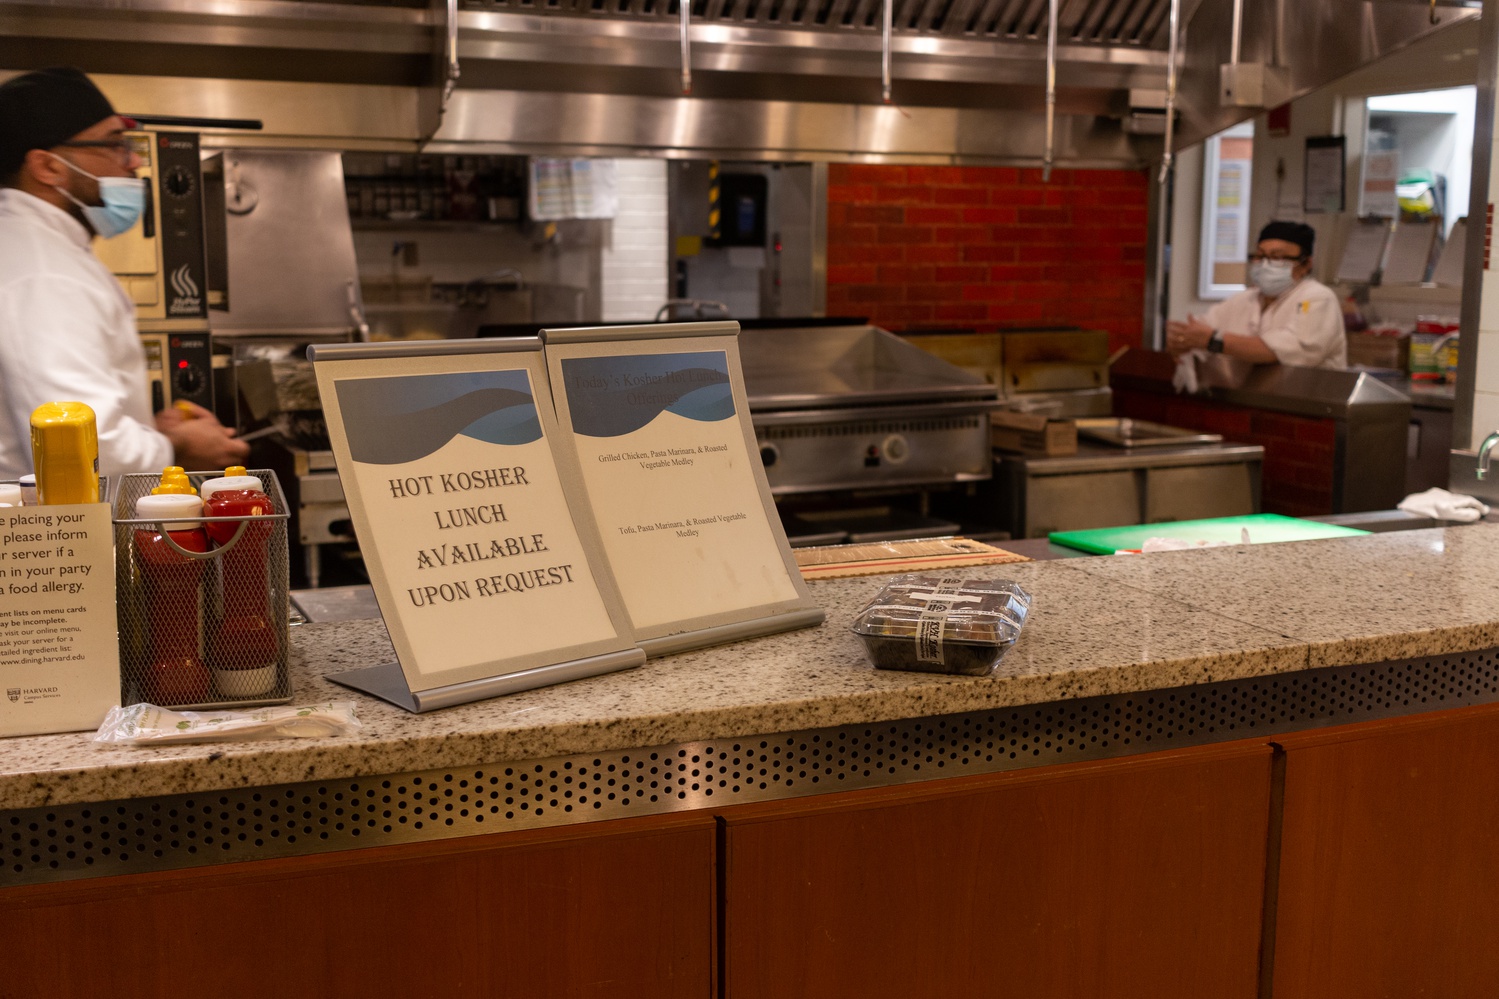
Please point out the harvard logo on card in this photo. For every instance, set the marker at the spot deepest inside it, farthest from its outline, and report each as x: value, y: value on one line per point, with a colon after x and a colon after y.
x: 14, y: 693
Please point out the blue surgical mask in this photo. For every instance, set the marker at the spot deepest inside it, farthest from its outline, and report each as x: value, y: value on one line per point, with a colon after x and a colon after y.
x: 124, y: 201
x: 1272, y: 277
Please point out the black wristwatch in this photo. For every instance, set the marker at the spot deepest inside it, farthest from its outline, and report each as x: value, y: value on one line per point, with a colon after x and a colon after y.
x: 1215, y: 342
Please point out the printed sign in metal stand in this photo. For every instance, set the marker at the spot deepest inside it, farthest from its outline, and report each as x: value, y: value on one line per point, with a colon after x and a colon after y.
x: 657, y: 420
x: 59, y: 644
x: 488, y: 580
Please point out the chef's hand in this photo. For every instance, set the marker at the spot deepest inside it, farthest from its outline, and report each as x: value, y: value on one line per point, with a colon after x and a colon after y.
x: 1190, y: 335
x: 199, y: 440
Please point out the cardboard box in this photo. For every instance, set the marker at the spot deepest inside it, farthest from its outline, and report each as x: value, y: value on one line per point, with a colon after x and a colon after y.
x: 1032, y: 433
x: 1377, y: 350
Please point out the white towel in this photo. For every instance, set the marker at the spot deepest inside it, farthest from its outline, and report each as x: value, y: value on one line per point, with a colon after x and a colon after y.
x: 1442, y: 505
x: 1184, y: 379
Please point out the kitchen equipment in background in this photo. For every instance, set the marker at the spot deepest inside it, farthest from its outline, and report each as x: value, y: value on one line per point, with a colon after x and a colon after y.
x: 278, y: 396
x: 162, y: 260
x: 289, y: 249
x: 1122, y: 431
x: 315, y: 498
x: 421, y: 308
x: 1335, y: 441
x: 401, y: 307
x: 404, y: 188
x: 1059, y: 372
x: 848, y: 416
x: 858, y: 408
x: 743, y: 199
x: 179, y: 365
x: 743, y: 239
x: 162, y: 264
x: 1104, y: 485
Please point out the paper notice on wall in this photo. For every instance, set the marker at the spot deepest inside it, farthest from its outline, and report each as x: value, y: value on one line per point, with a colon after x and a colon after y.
x: 1363, y: 254
x: 59, y: 651
x: 1323, y: 174
x: 573, y: 189
x: 1381, y: 170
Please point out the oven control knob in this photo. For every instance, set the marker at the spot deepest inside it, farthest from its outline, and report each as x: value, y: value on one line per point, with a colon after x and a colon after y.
x: 896, y: 449
x: 178, y: 182
x: 769, y: 454
x: 188, y: 381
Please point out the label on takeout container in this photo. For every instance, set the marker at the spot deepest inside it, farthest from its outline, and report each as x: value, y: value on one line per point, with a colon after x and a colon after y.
x: 932, y: 624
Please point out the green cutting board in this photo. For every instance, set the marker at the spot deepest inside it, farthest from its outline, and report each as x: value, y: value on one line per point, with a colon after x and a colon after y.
x: 1263, y: 529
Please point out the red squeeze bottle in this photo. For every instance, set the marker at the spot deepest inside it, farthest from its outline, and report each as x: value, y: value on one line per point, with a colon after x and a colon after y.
x: 173, y: 586
x: 246, y: 645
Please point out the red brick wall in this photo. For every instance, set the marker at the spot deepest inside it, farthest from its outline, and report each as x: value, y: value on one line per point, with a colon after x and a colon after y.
x: 988, y: 248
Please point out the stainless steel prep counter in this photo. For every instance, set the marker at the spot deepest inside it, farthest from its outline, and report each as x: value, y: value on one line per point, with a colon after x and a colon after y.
x: 1104, y: 486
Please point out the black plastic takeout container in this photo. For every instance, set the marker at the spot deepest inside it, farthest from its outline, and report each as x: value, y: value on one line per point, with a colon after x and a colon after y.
x: 942, y: 624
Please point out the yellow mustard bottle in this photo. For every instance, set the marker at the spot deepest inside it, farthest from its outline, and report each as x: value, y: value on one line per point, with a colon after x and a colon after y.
x: 65, y: 453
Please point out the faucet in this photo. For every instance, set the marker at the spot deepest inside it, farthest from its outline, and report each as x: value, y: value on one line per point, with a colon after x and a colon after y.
x: 1484, y: 450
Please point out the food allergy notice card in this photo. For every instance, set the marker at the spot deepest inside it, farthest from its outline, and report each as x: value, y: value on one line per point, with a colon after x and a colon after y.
x: 59, y: 651
x: 660, y: 428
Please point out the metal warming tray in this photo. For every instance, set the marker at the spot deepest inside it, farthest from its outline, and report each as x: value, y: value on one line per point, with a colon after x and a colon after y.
x: 1122, y: 431
x: 856, y: 407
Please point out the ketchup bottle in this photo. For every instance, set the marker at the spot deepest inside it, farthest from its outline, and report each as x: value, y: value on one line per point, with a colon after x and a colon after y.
x: 173, y: 586
x: 246, y: 645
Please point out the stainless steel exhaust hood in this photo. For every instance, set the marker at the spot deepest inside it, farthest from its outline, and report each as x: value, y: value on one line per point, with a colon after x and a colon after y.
x: 770, y: 79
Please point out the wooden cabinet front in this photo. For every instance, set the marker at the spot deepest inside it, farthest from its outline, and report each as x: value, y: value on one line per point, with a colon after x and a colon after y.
x: 618, y: 909
x: 1389, y: 871
x: 1140, y: 877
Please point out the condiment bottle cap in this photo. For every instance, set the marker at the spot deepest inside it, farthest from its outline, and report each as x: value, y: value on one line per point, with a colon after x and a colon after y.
x: 234, y: 477
x: 174, y: 480
x: 159, y: 506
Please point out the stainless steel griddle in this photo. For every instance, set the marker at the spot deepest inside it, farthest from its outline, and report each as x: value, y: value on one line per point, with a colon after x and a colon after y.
x: 855, y: 407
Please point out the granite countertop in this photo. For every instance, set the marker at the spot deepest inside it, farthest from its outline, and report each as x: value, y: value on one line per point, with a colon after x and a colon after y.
x: 1097, y: 626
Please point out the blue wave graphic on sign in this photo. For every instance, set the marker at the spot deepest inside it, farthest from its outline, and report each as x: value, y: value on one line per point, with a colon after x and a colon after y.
x: 615, y: 396
x: 390, y: 421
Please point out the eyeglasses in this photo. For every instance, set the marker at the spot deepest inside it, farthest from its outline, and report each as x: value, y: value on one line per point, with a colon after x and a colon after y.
x: 1274, y: 258
x: 122, y: 148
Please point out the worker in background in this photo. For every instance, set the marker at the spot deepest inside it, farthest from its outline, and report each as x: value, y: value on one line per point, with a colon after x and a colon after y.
x: 67, y: 327
x: 1285, y: 316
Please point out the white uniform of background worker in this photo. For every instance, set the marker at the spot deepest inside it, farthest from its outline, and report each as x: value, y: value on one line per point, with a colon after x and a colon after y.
x: 1286, y: 315
x: 67, y: 328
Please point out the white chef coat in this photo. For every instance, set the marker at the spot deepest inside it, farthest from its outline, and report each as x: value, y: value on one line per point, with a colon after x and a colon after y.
x: 1304, y: 326
x: 67, y: 333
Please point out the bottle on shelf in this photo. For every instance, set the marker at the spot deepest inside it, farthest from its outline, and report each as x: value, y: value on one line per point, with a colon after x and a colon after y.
x: 245, y: 647
x: 172, y: 584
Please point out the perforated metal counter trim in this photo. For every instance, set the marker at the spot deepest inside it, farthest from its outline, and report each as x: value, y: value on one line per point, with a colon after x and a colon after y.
x: 93, y: 840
